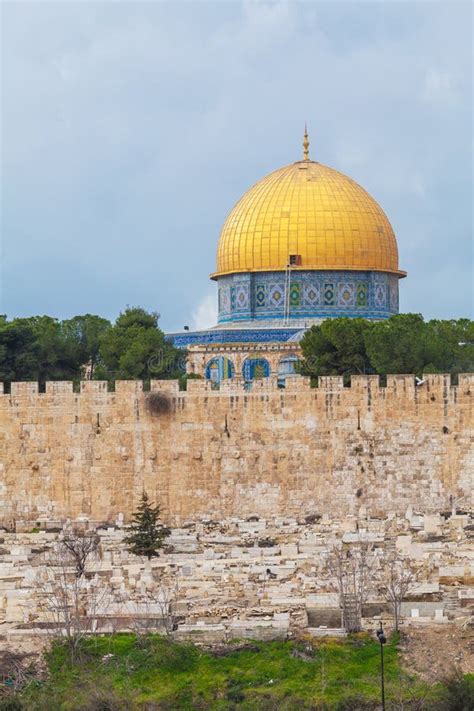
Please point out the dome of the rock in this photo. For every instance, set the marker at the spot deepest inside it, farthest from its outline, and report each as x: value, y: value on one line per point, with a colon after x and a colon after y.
x: 303, y: 244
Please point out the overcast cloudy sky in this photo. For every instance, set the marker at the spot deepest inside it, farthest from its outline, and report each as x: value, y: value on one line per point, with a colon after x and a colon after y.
x: 129, y: 130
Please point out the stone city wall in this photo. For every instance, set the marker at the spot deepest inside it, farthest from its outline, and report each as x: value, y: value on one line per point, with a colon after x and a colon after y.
x: 214, y: 454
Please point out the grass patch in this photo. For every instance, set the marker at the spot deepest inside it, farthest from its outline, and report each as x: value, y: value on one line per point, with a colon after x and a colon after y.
x: 153, y: 673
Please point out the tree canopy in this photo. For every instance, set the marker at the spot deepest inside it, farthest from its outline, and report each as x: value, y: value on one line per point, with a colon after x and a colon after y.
x: 42, y: 348
x: 135, y: 347
x: 404, y: 343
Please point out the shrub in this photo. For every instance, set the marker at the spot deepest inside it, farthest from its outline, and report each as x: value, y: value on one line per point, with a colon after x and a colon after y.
x: 12, y: 704
x: 104, y: 701
x: 458, y: 694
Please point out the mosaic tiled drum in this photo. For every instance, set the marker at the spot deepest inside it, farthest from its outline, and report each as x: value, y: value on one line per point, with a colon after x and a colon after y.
x: 311, y: 295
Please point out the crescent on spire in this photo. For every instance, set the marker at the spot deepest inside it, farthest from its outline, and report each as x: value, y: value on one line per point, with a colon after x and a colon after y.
x: 305, y: 144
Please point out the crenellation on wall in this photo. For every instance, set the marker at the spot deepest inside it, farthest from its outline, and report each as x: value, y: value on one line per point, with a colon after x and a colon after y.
x: 23, y: 389
x: 466, y: 382
x: 297, y: 383
x: 94, y: 386
x: 130, y: 387
x: 58, y: 387
x: 330, y: 382
x: 432, y: 383
x: 365, y: 382
x: 168, y: 386
x: 401, y: 384
x: 198, y: 386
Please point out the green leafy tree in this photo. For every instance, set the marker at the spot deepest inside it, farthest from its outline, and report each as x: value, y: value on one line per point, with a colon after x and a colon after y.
x: 336, y: 347
x: 407, y: 344
x: 135, y: 347
x: 404, y: 343
x: 398, y: 345
x: 145, y: 534
x: 449, y: 346
x: 84, y: 333
x: 35, y: 349
x: 18, y: 351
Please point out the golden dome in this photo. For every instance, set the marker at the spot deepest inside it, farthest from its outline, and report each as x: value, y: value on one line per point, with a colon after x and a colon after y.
x: 310, y: 210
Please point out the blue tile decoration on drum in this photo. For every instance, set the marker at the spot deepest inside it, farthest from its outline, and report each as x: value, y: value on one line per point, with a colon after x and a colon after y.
x: 346, y: 293
x: 361, y: 294
x: 295, y: 292
x: 242, y: 296
x: 394, y: 297
x: 260, y: 296
x: 380, y: 295
x: 276, y: 295
x: 328, y: 294
x: 312, y: 294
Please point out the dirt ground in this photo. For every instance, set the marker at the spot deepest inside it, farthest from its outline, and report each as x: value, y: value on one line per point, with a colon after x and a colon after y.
x: 437, y: 652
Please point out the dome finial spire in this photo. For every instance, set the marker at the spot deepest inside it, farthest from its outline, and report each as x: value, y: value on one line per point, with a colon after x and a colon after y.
x: 305, y: 144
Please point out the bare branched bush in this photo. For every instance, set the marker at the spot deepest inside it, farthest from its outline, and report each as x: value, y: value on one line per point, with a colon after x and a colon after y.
x: 156, y: 612
x: 71, y: 601
x: 395, y: 579
x: 80, y: 545
x: 158, y: 403
x: 167, y: 598
x: 351, y: 567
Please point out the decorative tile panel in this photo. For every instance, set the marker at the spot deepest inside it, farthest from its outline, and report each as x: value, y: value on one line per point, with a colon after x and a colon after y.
x: 224, y: 295
x: 311, y: 294
x: 260, y: 296
x: 329, y: 294
x: 394, y: 297
x: 276, y: 295
x: 362, y: 292
x: 242, y: 296
x: 346, y: 294
x: 295, y: 294
x: 380, y: 296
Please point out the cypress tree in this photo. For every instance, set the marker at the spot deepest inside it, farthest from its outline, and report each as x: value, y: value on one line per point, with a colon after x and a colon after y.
x: 145, y: 534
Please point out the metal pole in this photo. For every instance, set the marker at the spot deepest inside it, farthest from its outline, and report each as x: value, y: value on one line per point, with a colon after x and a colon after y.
x: 382, y: 639
x: 382, y: 676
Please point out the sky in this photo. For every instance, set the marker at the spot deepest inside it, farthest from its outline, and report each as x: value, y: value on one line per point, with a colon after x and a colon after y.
x: 129, y: 130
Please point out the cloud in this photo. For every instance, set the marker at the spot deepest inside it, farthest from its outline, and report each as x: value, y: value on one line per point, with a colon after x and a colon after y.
x: 205, y: 315
x: 129, y: 130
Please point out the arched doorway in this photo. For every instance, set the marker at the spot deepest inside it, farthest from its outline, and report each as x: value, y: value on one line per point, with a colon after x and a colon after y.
x: 219, y: 368
x: 255, y: 368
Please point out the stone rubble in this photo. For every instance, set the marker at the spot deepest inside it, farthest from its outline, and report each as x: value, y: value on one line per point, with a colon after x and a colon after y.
x: 253, y: 578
